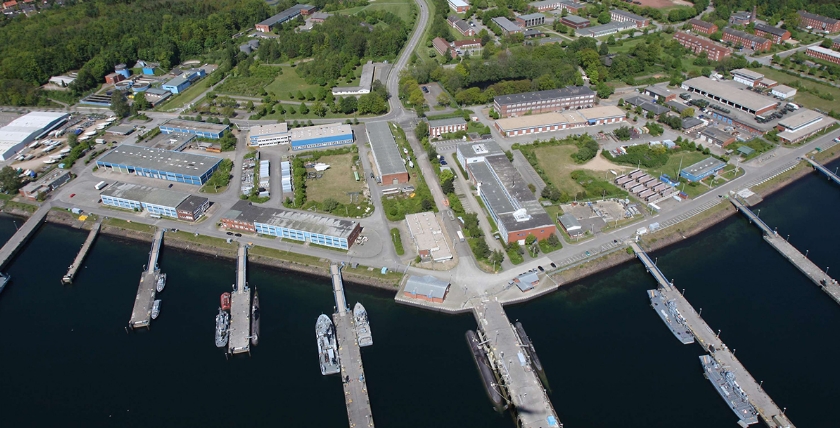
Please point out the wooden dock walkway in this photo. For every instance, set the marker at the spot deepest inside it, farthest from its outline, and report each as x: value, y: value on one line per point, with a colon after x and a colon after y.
x: 141, y: 315
x: 77, y: 263
x: 23, y: 234
x: 359, y: 413
x: 813, y: 272
x: 524, y: 388
x: 768, y: 411
x: 817, y: 166
x: 240, y: 308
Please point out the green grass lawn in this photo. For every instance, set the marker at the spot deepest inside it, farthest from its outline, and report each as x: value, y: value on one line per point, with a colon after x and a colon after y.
x: 806, y: 99
x: 557, y: 163
x: 185, y: 97
x: 672, y: 167
x: 337, y: 181
x: 287, y: 82
x: 401, y: 8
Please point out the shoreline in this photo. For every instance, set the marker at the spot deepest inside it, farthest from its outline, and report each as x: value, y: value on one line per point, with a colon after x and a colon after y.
x: 656, y: 241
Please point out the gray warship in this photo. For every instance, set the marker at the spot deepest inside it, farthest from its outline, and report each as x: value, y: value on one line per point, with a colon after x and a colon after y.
x: 725, y: 384
x: 222, y: 328
x: 360, y: 317
x: 327, y: 347
x: 667, y: 310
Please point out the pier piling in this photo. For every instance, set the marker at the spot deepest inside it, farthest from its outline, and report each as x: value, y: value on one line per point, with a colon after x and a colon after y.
x: 77, y: 263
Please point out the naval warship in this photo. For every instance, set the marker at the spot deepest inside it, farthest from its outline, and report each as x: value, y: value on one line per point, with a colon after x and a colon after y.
x: 161, y: 282
x: 255, y: 319
x: 327, y: 347
x: 222, y: 326
x: 363, y: 333
x: 725, y: 384
x: 667, y: 310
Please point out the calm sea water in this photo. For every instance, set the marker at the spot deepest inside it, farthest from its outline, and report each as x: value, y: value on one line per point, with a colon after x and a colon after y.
x: 68, y: 361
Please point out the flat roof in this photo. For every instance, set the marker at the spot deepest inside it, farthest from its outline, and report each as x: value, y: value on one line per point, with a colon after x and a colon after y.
x: 178, y: 81
x: 704, y: 166
x: 146, y: 194
x: 191, y: 203
x: 742, y: 97
x: 802, y: 118
x: 274, y: 128
x: 30, y: 125
x: 506, y: 24
x: 600, y: 112
x: 531, y: 16
x: 747, y: 73
x: 286, y: 14
x: 659, y: 91
x: 805, y: 130
x: 717, y: 134
x: 551, y: 94
x: 428, y: 235
x: 120, y: 129
x: 507, y: 192
x: 317, y: 132
x: 824, y: 51
x: 159, y: 159
x: 534, y: 120
x: 630, y: 15
x: 426, y: 285
x: 244, y: 211
x: 193, y: 125
x: 605, y: 28
x: 679, y: 107
x: 691, y: 122
x: 544, y: 3
x: 574, y: 19
x: 783, y: 88
x: 480, y: 149
x: 445, y: 122
x: 386, y: 154
x: 457, y: 3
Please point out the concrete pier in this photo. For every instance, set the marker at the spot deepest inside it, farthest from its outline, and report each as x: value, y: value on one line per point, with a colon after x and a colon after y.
x: 806, y: 266
x: 768, y: 411
x: 240, y: 308
x: 141, y: 315
x: 359, y: 413
x: 77, y: 263
x: 831, y: 176
x: 519, y: 381
x: 23, y: 234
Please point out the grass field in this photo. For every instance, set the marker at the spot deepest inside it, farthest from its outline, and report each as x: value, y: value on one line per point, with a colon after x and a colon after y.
x: 672, y: 167
x: 557, y: 163
x: 186, y: 97
x: 287, y: 82
x: 401, y: 8
x: 336, y: 182
x: 806, y: 99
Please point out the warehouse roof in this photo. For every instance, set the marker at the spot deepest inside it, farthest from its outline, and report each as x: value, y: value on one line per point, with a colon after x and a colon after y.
x: 428, y: 235
x: 802, y: 118
x: 445, y: 122
x: 191, y: 203
x: 704, y: 166
x: 146, y: 194
x: 193, y: 125
x: 534, y: 120
x: 479, y: 149
x: 551, y: 94
x: 426, y: 285
x: 506, y: 24
x: 178, y: 81
x: 679, y: 107
x: 600, y: 112
x: 747, y: 99
x: 784, y: 89
x: 659, y: 91
x: 285, y: 15
x: 25, y: 126
x: 691, y: 122
x: 159, y: 159
x: 318, y: 132
x: 386, y: 154
x: 717, y: 134
x: 244, y: 211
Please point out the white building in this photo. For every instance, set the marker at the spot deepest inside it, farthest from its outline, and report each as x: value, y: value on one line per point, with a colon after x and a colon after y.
x: 269, y: 135
x: 26, y: 129
x: 747, y: 77
x: 782, y: 91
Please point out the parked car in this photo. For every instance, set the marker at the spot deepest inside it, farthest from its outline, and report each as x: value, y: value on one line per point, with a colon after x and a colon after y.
x: 541, y: 268
x: 229, y: 233
x: 237, y: 235
x: 425, y: 89
x: 443, y: 162
x: 554, y: 266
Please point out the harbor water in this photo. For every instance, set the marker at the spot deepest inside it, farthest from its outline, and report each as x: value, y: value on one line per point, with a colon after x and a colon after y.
x: 68, y: 360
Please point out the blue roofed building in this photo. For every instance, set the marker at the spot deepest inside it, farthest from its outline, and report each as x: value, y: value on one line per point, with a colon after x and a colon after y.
x: 161, y: 164
x: 177, y: 85
x: 213, y: 131
x: 702, y: 169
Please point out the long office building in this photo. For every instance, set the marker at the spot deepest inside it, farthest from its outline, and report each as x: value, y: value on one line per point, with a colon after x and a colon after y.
x: 294, y: 225
x: 744, y: 100
x: 698, y: 45
x: 212, y: 131
x: 309, y: 137
x: 505, y: 193
x: 801, y: 125
x: 26, y: 129
x: 269, y: 135
x: 161, y: 164
x: 157, y: 202
x: 823, y: 54
x: 619, y: 15
x: 284, y: 16
x: 557, y: 121
x: 386, y: 155
x: 747, y: 40
x: 568, y: 98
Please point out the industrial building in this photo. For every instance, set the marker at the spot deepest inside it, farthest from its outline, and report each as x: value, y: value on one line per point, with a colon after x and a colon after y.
x: 717, y: 137
x: 426, y: 288
x: 619, y: 15
x: 747, y: 101
x: 284, y: 16
x: 747, y: 40
x: 820, y: 23
x: 365, y: 83
x: 575, y: 21
x: 45, y: 184
x: 783, y: 91
x: 697, y: 45
x: 700, y: 26
x: 459, y: 6
x: 571, y: 225
x: 319, y: 136
x: 556, y: 121
x: 530, y: 20
x: 747, y: 77
x: 161, y: 164
x: 159, y: 202
x: 429, y: 239
x: 386, y: 155
x: 505, y: 194
x: 269, y: 135
x: 199, y: 129
x: 823, y: 54
x: 660, y: 93
x: 605, y: 29
x: 702, y: 169
x: 446, y: 126
x: 507, y: 26
x: 801, y: 125
x: 26, y: 129
x: 568, y: 98
x: 778, y: 35
x: 298, y: 226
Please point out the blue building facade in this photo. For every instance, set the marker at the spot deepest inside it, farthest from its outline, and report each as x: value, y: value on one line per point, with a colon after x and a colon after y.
x: 332, y: 140
x: 138, y: 205
x: 702, y: 169
x: 177, y: 85
x: 160, y: 164
x: 302, y: 235
x: 198, y: 129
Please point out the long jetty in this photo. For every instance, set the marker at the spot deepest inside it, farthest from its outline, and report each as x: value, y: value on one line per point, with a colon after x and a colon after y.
x: 240, y: 308
x: 806, y: 266
x: 141, y: 315
x: 521, y: 384
x: 356, y: 397
x: 817, y: 166
x: 23, y: 234
x: 77, y: 263
x: 769, y: 412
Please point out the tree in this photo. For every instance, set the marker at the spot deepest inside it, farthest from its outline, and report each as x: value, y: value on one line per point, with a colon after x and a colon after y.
x: 140, y: 102
x: 9, y: 180
x: 497, y: 256
x: 300, y: 95
x: 443, y: 99
x: 826, y: 43
x: 329, y: 205
x: 421, y: 131
x: 319, y: 109
x: 348, y: 105
x: 689, y: 112
x: 250, y: 106
x: 603, y: 50
x: 530, y: 239
x: 72, y: 140
x: 604, y: 17
x: 611, y: 40
x: 303, y: 109
x: 118, y: 104
x: 426, y: 205
x: 447, y: 182
x: 553, y: 241
x: 481, y: 249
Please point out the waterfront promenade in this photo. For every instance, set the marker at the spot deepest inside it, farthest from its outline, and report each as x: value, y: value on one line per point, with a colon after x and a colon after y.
x: 77, y: 262
x: 524, y: 388
x: 240, y: 308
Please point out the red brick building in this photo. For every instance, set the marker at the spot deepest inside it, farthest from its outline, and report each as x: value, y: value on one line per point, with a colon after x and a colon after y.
x: 835, y: 44
x: 696, y: 44
x: 575, y: 21
x: 778, y: 35
x: 704, y: 27
x: 442, y: 46
x: 746, y: 40
x: 192, y: 208
x: 823, y: 54
x: 114, y: 78
x: 817, y: 22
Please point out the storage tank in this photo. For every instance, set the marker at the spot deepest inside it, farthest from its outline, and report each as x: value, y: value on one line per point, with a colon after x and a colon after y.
x: 140, y: 87
x: 121, y: 69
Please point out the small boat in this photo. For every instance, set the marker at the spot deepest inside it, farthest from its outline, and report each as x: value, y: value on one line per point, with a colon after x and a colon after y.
x: 161, y: 282
x: 222, y: 327
x: 4, y: 279
x: 156, y: 309
x: 360, y: 317
x: 255, y: 319
x: 225, y: 299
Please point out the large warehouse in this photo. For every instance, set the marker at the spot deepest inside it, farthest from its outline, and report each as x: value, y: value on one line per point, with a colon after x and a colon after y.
x: 741, y: 99
x: 199, y: 129
x: 386, y: 154
x: 313, y: 137
x: 548, y: 122
x: 308, y: 227
x: 26, y: 129
x: 269, y: 135
x: 158, y: 202
x: 161, y: 164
